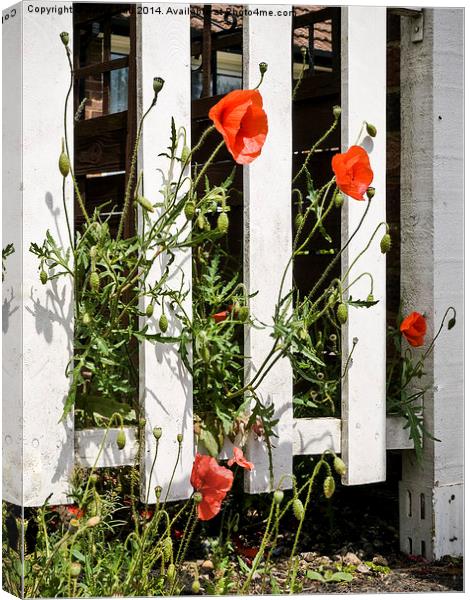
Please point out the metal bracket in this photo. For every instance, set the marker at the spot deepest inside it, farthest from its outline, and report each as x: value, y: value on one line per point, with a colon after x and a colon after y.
x: 417, y: 16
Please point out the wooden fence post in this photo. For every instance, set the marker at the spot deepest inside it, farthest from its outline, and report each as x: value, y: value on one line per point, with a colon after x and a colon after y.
x: 166, y: 385
x: 432, y: 250
x: 267, y: 231
x: 363, y: 88
x: 37, y: 319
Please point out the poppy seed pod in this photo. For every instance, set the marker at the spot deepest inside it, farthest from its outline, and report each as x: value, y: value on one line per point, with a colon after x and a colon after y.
x: 157, y: 85
x: 75, y: 569
x: 157, y: 432
x: 170, y: 572
x: 339, y: 466
x: 43, y: 277
x: 243, y: 313
x: 336, y: 111
x: 370, y: 192
x: 263, y: 67
x: 329, y: 486
x: 185, y: 154
x: 196, y: 587
x: 145, y: 203
x: 385, y: 243
x: 179, y: 438
x: 339, y: 199
x: 197, y: 497
x: 94, y: 478
x: 278, y: 496
x: 298, y: 509
x: 342, y: 313
x: 86, y: 319
x: 222, y: 222
x: 94, y: 281
x: 64, y: 36
x: 371, y: 129
x: 370, y: 298
x: 121, y: 439
x: 167, y: 548
x: 149, y: 310
x: 64, y: 164
x: 189, y: 210
x: 163, y: 323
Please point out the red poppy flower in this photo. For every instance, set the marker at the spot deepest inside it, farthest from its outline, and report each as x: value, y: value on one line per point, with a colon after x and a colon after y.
x: 213, y: 482
x: 413, y: 328
x: 241, y: 120
x: 240, y: 459
x: 146, y: 514
x: 353, y: 172
x: 220, y: 316
x: 246, y: 551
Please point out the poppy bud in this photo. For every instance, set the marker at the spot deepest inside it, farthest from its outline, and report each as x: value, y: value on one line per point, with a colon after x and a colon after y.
x: 207, y: 225
x: 339, y: 466
x: 339, y: 199
x: 170, y: 572
x: 179, y: 438
x: 370, y: 298
x: 93, y: 521
x: 385, y: 243
x: 370, y: 192
x: 371, y: 129
x: 298, y: 509
x: 263, y: 67
x: 222, y: 222
x: 149, y: 310
x: 94, y: 478
x: 86, y: 319
x: 74, y: 524
x: 303, y: 50
x: 185, y: 153
x: 93, y: 252
x: 200, y: 221
x: 205, y: 353
x: 278, y: 496
x: 342, y: 313
x: 189, y: 210
x: 451, y: 323
x: 121, y: 439
x: 298, y: 220
x: 64, y: 36
x: 197, y: 497
x: 329, y: 486
x: 196, y: 587
x: 43, y: 277
x: 145, y: 203
x: 64, y: 164
x: 94, y: 281
x: 94, y: 508
x: 243, y: 313
x: 158, y: 491
x: 163, y: 323
x: 157, y: 85
x: 157, y: 432
x: 75, y: 569
x: 336, y: 111
x: 167, y: 548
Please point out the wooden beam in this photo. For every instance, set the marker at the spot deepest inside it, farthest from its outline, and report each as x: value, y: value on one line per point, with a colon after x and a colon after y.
x: 363, y: 71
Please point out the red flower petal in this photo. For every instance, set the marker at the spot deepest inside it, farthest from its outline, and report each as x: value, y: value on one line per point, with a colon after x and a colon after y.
x: 413, y: 328
x: 240, y: 459
x: 353, y: 172
x: 213, y: 482
x: 241, y: 120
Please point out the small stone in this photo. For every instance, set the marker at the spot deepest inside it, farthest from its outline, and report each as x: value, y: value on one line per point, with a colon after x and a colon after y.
x: 362, y: 568
x: 309, y: 556
x: 351, y: 559
x: 207, y: 565
x: 380, y: 560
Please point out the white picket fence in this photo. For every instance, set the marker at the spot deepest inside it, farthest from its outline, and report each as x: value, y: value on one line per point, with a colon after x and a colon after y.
x: 38, y: 451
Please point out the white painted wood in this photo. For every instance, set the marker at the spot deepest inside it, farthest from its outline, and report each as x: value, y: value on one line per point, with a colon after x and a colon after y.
x: 88, y: 444
x: 432, y: 264
x: 39, y: 326
x: 166, y: 386
x: 314, y: 436
x: 363, y: 89
x: 398, y: 438
x: 267, y: 232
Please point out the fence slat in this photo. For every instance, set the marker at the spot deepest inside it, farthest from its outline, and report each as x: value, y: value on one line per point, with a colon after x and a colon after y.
x: 92, y: 447
x: 267, y: 231
x: 38, y: 319
x: 166, y: 386
x: 363, y: 89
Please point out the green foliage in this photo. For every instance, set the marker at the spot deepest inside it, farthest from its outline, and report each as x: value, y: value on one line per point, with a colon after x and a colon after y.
x: 6, y: 252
